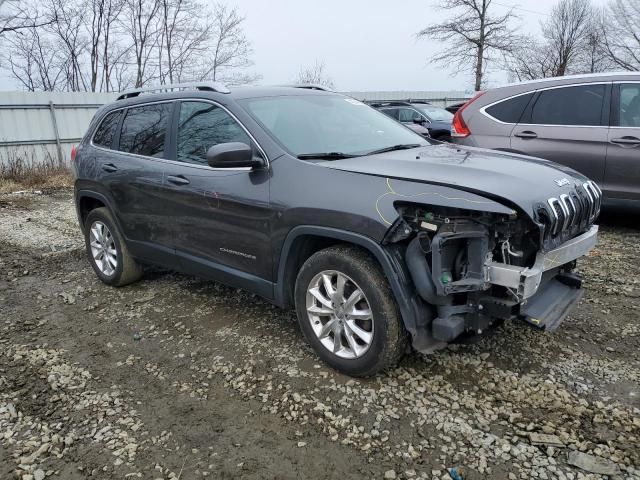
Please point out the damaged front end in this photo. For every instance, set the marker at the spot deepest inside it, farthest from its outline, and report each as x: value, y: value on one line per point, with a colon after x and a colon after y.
x: 472, y: 269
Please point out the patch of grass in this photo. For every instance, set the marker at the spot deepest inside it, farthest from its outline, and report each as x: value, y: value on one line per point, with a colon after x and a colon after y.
x: 23, y: 170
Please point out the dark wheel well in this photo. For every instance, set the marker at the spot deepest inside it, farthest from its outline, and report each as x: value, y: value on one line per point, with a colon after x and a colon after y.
x: 302, y: 248
x: 87, y: 204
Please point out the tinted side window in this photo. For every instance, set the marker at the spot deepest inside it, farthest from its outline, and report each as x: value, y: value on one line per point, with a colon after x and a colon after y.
x: 203, y: 125
x: 391, y: 112
x: 407, y: 114
x: 144, y: 128
x: 581, y: 105
x: 510, y: 111
x: 630, y: 105
x: 107, y: 130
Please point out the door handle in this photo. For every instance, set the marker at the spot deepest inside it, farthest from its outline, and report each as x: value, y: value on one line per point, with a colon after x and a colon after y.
x: 178, y: 180
x: 626, y: 141
x: 109, y: 167
x: 526, y: 134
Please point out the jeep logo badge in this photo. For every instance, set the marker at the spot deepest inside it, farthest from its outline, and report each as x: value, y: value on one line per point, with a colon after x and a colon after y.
x: 562, y: 182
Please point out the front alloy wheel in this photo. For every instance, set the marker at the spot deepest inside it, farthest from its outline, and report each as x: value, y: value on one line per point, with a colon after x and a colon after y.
x: 347, y: 312
x: 340, y: 314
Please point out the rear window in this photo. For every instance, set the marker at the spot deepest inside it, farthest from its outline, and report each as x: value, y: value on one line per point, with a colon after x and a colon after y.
x: 144, y: 129
x: 107, y: 130
x: 510, y: 111
x: 578, y: 106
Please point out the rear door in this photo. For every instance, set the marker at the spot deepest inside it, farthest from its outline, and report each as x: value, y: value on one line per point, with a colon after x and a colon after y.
x: 133, y: 174
x: 220, y: 217
x: 622, y: 173
x: 568, y: 125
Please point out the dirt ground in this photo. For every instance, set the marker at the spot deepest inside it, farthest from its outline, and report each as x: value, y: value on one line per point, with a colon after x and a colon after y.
x: 175, y: 377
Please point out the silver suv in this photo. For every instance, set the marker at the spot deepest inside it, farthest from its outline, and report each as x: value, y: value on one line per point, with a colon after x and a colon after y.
x: 590, y: 123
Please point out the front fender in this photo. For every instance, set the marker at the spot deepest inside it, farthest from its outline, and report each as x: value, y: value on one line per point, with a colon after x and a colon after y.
x: 415, y: 314
x: 429, y: 194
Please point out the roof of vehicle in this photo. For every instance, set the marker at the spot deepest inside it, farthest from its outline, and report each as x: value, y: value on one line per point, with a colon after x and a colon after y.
x: 403, y: 103
x: 622, y: 75
x: 204, y: 88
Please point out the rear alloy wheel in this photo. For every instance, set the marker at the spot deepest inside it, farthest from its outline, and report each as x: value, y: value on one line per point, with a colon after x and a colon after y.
x: 347, y: 313
x: 103, y: 248
x: 107, y: 251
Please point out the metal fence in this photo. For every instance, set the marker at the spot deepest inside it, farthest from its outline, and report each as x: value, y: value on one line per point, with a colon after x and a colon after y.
x: 36, y: 125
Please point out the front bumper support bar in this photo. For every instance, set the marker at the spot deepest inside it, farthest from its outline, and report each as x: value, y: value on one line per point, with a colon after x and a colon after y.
x: 526, y: 280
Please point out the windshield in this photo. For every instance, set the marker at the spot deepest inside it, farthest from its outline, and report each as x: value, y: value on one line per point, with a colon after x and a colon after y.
x: 436, y: 114
x: 311, y: 124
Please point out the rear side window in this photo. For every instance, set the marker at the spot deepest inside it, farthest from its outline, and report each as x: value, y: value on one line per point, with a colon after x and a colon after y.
x: 579, y: 106
x: 510, y: 111
x: 391, y: 112
x: 107, y: 130
x: 629, y: 105
x: 144, y: 129
x: 203, y: 125
x: 407, y: 115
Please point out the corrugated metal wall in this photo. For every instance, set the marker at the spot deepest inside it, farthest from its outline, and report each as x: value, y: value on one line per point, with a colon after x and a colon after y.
x: 28, y: 120
x: 27, y: 126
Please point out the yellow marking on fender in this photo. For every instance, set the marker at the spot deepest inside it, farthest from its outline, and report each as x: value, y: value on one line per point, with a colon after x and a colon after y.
x: 391, y: 191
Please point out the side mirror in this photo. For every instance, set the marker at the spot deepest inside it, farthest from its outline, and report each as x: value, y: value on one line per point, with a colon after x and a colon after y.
x: 232, y: 155
x: 419, y: 120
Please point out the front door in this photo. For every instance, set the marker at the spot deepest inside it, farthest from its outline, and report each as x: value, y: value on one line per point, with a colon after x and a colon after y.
x: 568, y: 125
x: 220, y: 217
x: 622, y: 175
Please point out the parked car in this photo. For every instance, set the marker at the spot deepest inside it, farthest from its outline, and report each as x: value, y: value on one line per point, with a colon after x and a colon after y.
x: 435, y: 119
x: 455, y: 107
x: 590, y: 123
x: 313, y: 200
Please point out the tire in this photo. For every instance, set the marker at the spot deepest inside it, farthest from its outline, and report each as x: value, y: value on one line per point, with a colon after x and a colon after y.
x: 353, y: 356
x: 126, y: 270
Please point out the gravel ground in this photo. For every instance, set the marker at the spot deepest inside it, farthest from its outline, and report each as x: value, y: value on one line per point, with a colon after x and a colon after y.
x: 175, y: 377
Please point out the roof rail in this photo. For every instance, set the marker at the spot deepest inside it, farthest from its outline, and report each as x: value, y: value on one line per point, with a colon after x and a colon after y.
x: 310, y: 86
x: 204, y: 86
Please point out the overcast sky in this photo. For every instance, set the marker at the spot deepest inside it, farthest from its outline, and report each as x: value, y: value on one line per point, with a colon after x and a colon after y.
x: 364, y: 44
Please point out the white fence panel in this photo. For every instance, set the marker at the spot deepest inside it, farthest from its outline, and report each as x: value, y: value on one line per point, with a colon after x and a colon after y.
x: 34, y: 125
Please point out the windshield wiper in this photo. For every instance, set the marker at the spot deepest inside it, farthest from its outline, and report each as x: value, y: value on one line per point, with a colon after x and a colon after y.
x: 402, y: 146
x: 326, y: 156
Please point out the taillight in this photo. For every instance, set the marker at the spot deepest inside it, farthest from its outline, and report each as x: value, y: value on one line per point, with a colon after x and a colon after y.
x: 73, y: 153
x: 459, y: 128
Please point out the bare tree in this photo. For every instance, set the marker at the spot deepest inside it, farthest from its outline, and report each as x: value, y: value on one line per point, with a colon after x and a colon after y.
x: 621, y: 33
x: 593, y: 57
x: 141, y: 26
x: 571, y: 43
x: 231, y: 49
x: 34, y: 61
x: 102, y: 34
x: 100, y: 45
x: 184, y: 39
x: 15, y: 16
x: 69, y: 39
x: 315, y: 74
x: 567, y: 32
x: 474, y: 36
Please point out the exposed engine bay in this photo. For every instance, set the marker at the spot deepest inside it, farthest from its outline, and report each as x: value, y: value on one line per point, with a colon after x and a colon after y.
x: 475, y: 268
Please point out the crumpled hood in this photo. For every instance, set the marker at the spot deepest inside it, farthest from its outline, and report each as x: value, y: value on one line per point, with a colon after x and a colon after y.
x: 515, y: 179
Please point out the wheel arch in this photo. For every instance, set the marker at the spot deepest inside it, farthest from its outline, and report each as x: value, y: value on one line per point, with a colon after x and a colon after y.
x: 303, y: 241
x: 86, y: 201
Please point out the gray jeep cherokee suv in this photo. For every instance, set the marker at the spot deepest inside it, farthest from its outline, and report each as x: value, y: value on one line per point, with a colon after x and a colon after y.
x: 315, y: 200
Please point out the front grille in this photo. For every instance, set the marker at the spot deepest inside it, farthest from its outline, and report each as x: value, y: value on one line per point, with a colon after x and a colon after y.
x: 573, y: 212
